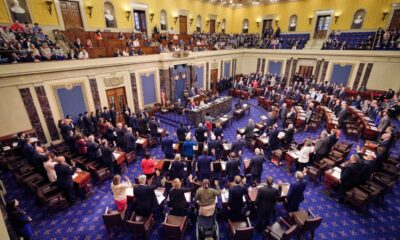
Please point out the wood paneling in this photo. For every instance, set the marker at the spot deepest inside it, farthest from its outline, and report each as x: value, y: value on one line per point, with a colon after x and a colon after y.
x: 182, y: 24
x: 71, y: 15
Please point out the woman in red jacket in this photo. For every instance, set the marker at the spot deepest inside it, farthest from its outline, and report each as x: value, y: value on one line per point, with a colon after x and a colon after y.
x: 81, y: 146
x: 148, y: 166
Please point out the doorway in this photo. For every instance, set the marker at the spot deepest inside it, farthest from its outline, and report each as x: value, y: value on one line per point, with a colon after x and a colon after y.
x: 267, y: 24
x: 306, y: 71
x: 139, y: 17
x: 395, y: 22
x: 116, y: 98
x: 214, y: 80
x: 71, y: 15
x: 212, y: 25
x: 322, y: 26
x: 182, y: 24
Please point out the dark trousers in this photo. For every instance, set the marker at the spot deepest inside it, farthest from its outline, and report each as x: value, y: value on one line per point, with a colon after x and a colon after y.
x: 301, y: 166
x: 263, y: 219
x: 69, y: 193
x: 179, y: 212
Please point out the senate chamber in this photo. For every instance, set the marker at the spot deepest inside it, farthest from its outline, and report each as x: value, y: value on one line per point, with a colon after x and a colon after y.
x: 199, y: 119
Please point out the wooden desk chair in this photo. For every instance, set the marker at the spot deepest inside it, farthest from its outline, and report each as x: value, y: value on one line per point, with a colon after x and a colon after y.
x: 281, y: 230
x: 101, y: 173
x: 140, y: 226
x: 174, y: 227
x: 130, y: 157
x: 240, y: 230
x: 361, y: 197
x: 316, y: 171
x: 52, y: 197
x: 306, y: 221
x: 113, y: 218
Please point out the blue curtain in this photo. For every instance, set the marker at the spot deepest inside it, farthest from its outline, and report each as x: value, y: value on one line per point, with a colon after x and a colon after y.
x: 72, y: 101
x: 227, y: 69
x: 200, y: 76
x: 341, y: 74
x: 180, y: 83
x: 148, y: 88
x: 274, y: 67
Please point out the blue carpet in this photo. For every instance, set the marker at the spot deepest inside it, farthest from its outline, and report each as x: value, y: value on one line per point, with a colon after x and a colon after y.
x: 84, y: 219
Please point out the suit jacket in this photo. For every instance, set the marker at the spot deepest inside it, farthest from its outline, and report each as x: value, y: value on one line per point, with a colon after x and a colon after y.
x: 145, y: 197
x: 321, y: 146
x: 383, y: 124
x: 142, y: 125
x: 296, y: 193
x: 130, y: 142
x: 37, y: 162
x: 289, y: 135
x: 351, y: 175
x: 28, y: 151
x: 217, y: 145
x: 332, y: 141
x: 232, y: 168
x: 92, y: 150
x: 256, y: 165
x: 199, y: 134
x: 249, y: 131
x: 181, y: 133
x: 266, y: 198
x: 218, y: 132
x: 177, y: 170
x: 274, y: 142
x: 153, y: 125
x: 167, y: 146
x: 204, y: 164
x: 235, y: 200
x: 107, y: 155
x: 342, y: 115
x: 64, y: 175
x: 237, y: 146
x: 177, y: 198
x: 120, y: 136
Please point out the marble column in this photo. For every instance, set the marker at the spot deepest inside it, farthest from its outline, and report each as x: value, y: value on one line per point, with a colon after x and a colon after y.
x: 32, y: 113
x: 95, y: 93
x: 358, y: 76
x: 46, y: 110
x: 134, y: 92
x: 367, y: 73
x: 324, y: 70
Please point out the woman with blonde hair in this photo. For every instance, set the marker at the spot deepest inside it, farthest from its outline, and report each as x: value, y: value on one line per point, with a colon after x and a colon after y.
x: 119, y: 190
x: 177, y: 168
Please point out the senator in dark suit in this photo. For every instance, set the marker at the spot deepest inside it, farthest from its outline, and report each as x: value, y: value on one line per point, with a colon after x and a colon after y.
x: 199, y: 133
x: 296, y: 193
x: 153, y: 125
x: 232, y: 168
x: 177, y: 199
x: 64, y: 174
x: 256, y: 165
x: 177, y: 168
x: 167, y: 145
x: 181, y: 133
x: 204, y: 166
x: 289, y: 133
x: 351, y: 175
x: 274, y: 142
x: 130, y: 141
x: 265, y: 202
x: 235, y: 200
x: 237, y: 145
x: 145, y: 197
x: 107, y: 157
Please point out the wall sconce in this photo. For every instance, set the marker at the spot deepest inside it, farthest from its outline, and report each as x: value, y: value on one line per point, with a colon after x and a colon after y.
x: 276, y: 22
x: 128, y: 14
x: 384, y: 14
x: 191, y: 21
x: 151, y: 17
x: 176, y: 20
x: 89, y: 8
x: 218, y: 23
x: 208, y: 22
x: 337, y: 18
x: 258, y: 24
x: 310, y: 20
x: 49, y: 6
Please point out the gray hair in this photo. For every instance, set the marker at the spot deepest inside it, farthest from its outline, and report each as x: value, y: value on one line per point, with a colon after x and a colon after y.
x: 299, y: 175
x: 142, y: 179
x: 91, y: 138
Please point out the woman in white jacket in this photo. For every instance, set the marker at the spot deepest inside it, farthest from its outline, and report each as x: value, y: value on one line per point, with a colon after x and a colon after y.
x: 304, y: 156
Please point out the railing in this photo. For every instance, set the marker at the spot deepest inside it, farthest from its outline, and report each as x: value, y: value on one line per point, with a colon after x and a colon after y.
x: 59, y: 36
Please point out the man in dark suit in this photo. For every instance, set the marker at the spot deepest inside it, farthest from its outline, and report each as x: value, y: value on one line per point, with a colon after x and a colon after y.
x: 119, y: 131
x: 153, y: 125
x: 93, y: 149
x: 265, y: 203
x: 64, y: 174
x: 181, y: 133
x: 321, y: 146
x: 350, y: 176
x: 332, y: 139
x: 274, y: 142
x: 235, y: 200
x: 232, y: 168
x: 28, y: 150
x: 342, y: 115
x: 130, y: 141
x: 216, y: 145
x: 145, y: 197
x: 256, y: 165
x: 113, y: 116
x: 167, y: 146
x: 143, y: 125
x: 106, y: 114
x: 199, y: 133
x: 107, y: 156
x: 204, y: 165
x: 237, y: 145
x: 296, y: 193
x: 289, y: 133
x: 37, y: 161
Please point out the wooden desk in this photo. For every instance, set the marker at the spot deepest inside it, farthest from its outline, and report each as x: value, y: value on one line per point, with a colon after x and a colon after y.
x: 300, y: 117
x: 223, y: 121
x: 197, y: 99
x: 252, y: 192
x: 290, y: 158
x: 142, y: 142
x: 331, y: 179
x: 262, y: 141
x: 369, y: 130
x: 330, y: 118
x: 241, y: 111
x: 215, y: 109
x: 82, y: 180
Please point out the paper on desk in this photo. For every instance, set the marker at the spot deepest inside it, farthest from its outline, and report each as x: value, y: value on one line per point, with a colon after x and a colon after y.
x: 160, y: 197
x: 263, y: 117
x: 116, y: 155
x: 74, y: 176
x: 129, y: 192
x: 187, y: 196
x: 14, y: 144
x: 223, y: 165
x: 6, y: 148
x: 140, y: 141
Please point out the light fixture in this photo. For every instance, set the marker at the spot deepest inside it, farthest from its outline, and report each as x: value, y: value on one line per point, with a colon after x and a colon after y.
x: 208, y: 22
x: 258, y: 24
x: 276, y: 22
x: 49, y: 6
x: 176, y: 20
x: 128, y: 14
x: 218, y: 23
x: 191, y: 21
x: 310, y: 20
x: 337, y: 17
x: 384, y: 14
x: 90, y: 8
x: 151, y: 17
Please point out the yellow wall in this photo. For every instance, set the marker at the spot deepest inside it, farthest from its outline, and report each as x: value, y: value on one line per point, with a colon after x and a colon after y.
x: 305, y: 9
x: 234, y: 16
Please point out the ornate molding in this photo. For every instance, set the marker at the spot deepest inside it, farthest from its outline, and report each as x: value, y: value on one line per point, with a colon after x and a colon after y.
x: 113, y: 80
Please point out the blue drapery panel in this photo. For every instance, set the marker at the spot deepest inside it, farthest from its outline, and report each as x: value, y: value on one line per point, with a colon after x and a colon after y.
x: 72, y: 101
x: 227, y: 69
x: 341, y: 74
x: 148, y: 88
x: 200, y: 76
x: 180, y: 83
x: 274, y: 67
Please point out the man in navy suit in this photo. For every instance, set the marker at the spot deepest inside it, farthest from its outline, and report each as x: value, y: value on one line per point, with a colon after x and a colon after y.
x: 235, y: 199
x: 204, y: 165
x: 256, y: 165
x: 233, y: 166
x: 296, y: 193
x: 181, y: 133
x: 167, y: 146
x: 274, y: 142
x: 145, y: 197
x: 64, y: 174
x: 28, y: 150
x: 237, y: 145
